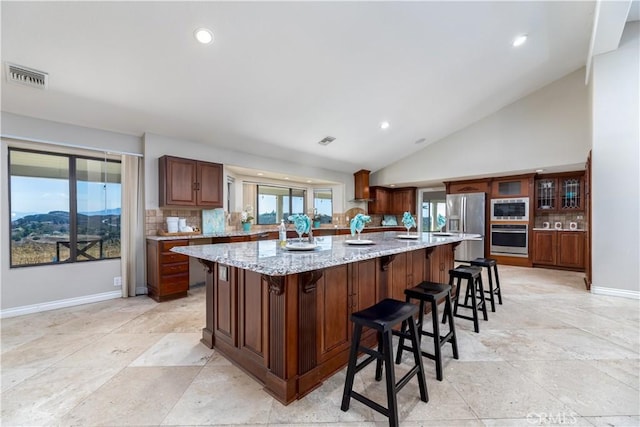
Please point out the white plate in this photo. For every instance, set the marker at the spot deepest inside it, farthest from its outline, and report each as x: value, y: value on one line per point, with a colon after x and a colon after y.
x: 301, y: 246
x: 407, y: 236
x: 359, y: 242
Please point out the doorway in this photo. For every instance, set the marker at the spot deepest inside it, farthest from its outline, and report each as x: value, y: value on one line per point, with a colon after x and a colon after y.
x: 432, y: 209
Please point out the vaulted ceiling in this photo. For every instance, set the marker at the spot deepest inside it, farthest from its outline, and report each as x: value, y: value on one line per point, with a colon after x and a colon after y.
x: 281, y: 76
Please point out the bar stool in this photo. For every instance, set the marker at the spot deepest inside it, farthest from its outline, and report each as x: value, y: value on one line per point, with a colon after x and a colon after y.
x: 490, y: 262
x: 433, y: 293
x: 382, y: 317
x: 473, y: 276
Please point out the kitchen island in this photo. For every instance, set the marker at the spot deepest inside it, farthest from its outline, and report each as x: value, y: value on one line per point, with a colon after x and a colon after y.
x: 283, y: 315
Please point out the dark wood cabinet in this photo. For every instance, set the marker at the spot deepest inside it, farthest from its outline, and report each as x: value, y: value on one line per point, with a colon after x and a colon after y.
x: 571, y: 249
x: 513, y: 186
x: 167, y: 272
x: 468, y: 186
x: 380, y: 203
x: 394, y: 201
x: 440, y: 261
x: 560, y: 192
x: 544, y: 247
x: 361, y: 184
x: 187, y: 182
x: 559, y: 249
x: 403, y: 200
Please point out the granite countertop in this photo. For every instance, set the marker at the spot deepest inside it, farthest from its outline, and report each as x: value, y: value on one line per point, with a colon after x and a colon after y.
x: 267, y: 257
x: 236, y: 233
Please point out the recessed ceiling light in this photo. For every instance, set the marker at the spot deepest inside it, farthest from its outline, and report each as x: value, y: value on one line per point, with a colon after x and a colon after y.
x: 519, y: 41
x: 286, y: 177
x: 539, y: 170
x: 203, y: 35
x: 420, y: 141
x: 309, y: 181
x: 260, y: 174
x: 392, y: 185
x: 384, y: 125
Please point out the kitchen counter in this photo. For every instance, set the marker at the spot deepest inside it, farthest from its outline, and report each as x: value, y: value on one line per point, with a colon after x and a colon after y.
x: 256, y: 231
x: 284, y: 316
x: 267, y: 257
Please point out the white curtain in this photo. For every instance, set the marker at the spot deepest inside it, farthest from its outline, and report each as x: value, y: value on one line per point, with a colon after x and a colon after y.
x: 132, y: 226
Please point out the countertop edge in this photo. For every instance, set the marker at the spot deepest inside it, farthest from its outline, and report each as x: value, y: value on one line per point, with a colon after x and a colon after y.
x: 267, y: 267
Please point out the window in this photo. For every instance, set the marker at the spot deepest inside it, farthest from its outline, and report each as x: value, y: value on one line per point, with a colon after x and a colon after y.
x: 323, y: 205
x: 275, y: 203
x: 64, y: 208
x: 433, y: 215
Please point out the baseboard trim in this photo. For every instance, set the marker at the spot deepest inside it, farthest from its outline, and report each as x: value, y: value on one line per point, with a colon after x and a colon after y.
x: 599, y: 290
x: 53, y: 305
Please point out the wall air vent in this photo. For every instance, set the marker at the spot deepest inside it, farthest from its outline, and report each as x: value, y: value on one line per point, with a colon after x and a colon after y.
x: 326, y: 140
x: 27, y: 76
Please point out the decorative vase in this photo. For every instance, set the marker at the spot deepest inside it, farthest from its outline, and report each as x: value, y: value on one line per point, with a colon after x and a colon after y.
x: 316, y: 224
x: 246, y: 226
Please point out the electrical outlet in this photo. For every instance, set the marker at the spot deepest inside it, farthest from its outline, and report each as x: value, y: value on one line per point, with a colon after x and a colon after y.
x: 117, y: 281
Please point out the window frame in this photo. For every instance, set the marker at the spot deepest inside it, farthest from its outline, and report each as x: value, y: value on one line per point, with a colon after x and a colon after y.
x: 73, y: 204
x: 290, y: 196
x: 330, y: 191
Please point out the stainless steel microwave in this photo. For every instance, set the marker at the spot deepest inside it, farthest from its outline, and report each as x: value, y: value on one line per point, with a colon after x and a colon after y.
x: 511, y: 209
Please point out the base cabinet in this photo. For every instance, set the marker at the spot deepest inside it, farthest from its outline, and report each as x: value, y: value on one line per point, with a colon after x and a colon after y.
x: 571, y: 249
x: 559, y: 249
x: 167, y: 272
x: 292, y: 332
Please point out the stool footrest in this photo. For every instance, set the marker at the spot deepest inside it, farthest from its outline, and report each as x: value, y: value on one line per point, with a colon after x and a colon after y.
x: 370, y: 403
x: 365, y: 362
x: 405, y: 379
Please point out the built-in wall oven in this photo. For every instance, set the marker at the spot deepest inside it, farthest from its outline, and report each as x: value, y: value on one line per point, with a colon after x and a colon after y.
x: 510, y: 239
x: 511, y: 209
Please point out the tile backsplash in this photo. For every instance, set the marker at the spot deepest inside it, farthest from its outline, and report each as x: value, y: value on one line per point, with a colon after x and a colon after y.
x: 156, y: 220
x: 564, y: 217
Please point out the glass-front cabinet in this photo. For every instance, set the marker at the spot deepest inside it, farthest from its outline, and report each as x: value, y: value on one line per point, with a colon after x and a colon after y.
x: 560, y: 193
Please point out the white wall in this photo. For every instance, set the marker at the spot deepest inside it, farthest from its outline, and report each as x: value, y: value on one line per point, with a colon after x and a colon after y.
x: 544, y: 129
x: 156, y: 146
x: 616, y: 167
x: 35, y: 288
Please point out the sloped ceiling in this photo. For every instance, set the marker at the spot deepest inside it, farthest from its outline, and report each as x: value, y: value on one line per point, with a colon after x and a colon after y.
x: 279, y: 77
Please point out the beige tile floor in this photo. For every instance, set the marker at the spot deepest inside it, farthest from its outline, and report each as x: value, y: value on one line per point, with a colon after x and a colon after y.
x: 553, y: 354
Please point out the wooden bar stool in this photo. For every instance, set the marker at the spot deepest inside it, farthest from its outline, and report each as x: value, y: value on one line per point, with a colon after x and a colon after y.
x: 490, y: 262
x: 382, y: 317
x: 473, y: 276
x: 433, y: 293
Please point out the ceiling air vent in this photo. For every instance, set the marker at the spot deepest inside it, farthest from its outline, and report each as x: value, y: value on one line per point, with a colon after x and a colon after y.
x: 326, y: 140
x: 27, y: 76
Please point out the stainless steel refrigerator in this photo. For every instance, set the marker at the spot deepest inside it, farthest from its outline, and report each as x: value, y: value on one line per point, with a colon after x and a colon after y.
x: 466, y: 214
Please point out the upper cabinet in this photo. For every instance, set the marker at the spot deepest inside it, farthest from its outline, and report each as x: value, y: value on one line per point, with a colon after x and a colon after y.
x: 560, y: 193
x: 380, y: 202
x: 393, y: 201
x: 517, y: 186
x: 187, y: 182
x: 403, y: 200
x: 468, y: 186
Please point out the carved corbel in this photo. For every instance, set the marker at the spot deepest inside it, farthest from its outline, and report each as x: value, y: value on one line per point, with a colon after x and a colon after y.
x: 276, y: 284
x: 309, y: 280
x: 385, y: 261
x: 208, y: 265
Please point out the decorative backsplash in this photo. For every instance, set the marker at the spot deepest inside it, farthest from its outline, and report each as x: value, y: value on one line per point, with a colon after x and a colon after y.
x: 156, y: 220
x: 564, y: 217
